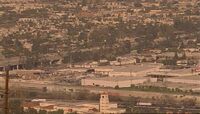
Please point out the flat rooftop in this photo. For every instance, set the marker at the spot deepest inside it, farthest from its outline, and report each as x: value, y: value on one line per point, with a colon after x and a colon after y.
x: 131, y: 68
x: 118, y: 78
x: 70, y: 103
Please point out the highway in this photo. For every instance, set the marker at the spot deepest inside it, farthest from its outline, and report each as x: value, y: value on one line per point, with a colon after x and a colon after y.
x: 16, y: 83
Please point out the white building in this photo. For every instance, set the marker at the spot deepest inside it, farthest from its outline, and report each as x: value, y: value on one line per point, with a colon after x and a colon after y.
x: 176, y: 76
x: 81, y: 107
x: 49, y: 106
x: 128, y: 70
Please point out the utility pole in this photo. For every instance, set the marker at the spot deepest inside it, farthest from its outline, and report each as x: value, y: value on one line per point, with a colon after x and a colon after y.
x: 6, y: 90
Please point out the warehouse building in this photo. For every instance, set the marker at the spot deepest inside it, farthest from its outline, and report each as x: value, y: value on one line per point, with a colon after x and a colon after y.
x: 14, y: 63
x: 121, y: 76
x: 128, y: 70
x: 187, y: 76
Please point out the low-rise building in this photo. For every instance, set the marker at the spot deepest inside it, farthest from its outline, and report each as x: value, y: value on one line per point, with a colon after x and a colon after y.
x: 103, y: 107
x: 13, y: 63
x: 50, y: 106
x: 185, y: 76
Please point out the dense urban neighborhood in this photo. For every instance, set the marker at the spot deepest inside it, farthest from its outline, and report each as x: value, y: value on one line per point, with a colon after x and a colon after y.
x: 100, y: 56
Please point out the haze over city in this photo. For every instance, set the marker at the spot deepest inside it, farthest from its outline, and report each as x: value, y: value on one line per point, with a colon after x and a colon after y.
x: 99, y: 56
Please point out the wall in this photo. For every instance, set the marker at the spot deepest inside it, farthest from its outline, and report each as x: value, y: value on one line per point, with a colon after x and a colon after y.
x: 104, y: 83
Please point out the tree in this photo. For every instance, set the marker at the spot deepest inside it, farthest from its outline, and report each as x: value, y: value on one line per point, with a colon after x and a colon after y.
x: 127, y: 47
x: 103, y: 36
x: 60, y: 111
x: 42, y: 112
x: 31, y: 111
x: 72, y: 113
x: 184, y: 56
x: 189, y: 102
x: 166, y: 100
x: 8, y: 19
x: 15, y: 106
x: 32, y: 94
x: 138, y: 4
x: 116, y: 87
x: 176, y: 56
x: 185, y: 25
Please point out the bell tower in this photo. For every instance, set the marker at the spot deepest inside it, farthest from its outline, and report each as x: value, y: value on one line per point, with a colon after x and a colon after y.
x: 104, y: 102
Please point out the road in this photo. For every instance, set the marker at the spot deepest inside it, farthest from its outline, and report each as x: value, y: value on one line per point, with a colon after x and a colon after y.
x: 58, y: 87
x: 14, y: 83
x: 169, y: 108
